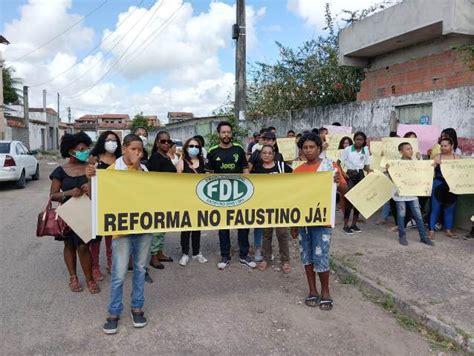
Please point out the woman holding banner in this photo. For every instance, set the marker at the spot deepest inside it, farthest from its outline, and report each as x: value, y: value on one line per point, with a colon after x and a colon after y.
x: 192, y: 161
x: 315, y: 240
x: 271, y: 166
x: 441, y: 198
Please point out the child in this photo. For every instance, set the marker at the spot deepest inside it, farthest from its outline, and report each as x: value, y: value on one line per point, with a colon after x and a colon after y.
x: 137, y: 244
x: 412, y: 203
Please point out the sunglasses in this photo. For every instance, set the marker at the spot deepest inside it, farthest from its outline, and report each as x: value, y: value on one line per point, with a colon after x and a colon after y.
x: 194, y: 146
x: 163, y: 142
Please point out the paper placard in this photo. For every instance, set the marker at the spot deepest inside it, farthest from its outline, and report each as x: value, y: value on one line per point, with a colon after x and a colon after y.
x: 390, y: 148
x: 77, y: 213
x: 333, y: 140
x: 333, y: 155
x: 346, y: 130
x: 287, y: 147
x: 427, y: 134
x: 459, y: 174
x: 371, y: 193
x: 412, y: 178
x: 375, y: 148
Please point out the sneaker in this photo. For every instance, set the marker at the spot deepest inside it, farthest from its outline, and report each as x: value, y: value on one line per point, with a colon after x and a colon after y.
x: 138, y: 319
x: 427, y: 242
x: 403, y: 241
x: 111, y: 325
x: 469, y: 237
x: 355, y: 228
x: 183, y: 261
x: 411, y: 224
x: 200, y: 258
x: 348, y: 230
x: 247, y: 261
x: 223, y: 263
x: 438, y: 227
x: 258, y: 254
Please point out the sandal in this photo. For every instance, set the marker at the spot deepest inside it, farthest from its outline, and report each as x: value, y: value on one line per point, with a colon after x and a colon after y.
x: 262, y: 266
x: 93, y: 287
x: 312, y: 300
x: 165, y: 259
x: 286, y: 268
x: 326, y: 304
x: 74, y: 284
x: 451, y: 235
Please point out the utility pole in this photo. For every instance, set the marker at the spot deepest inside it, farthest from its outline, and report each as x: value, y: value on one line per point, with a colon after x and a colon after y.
x: 239, y: 34
x: 69, y: 114
x: 59, y: 116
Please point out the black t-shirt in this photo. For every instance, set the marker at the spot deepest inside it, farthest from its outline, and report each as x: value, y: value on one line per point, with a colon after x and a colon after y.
x: 261, y: 170
x: 257, y: 161
x: 226, y: 160
x: 67, y: 182
x: 160, y: 163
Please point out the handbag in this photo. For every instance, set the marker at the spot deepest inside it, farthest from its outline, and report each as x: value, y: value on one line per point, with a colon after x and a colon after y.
x: 50, y: 223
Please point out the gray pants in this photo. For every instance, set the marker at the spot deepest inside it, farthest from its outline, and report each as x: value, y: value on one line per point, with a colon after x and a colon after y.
x: 283, y: 243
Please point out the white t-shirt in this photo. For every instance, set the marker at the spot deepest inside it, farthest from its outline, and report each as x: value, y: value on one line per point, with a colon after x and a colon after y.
x: 354, y: 160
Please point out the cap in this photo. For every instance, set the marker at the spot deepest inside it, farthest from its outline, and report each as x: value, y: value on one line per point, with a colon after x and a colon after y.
x: 269, y: 135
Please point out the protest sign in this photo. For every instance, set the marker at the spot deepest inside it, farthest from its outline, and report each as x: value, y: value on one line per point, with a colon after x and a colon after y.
x: 135, y: 202
x: 296, y: 164
x: 287, y: 147
x: 427, y: 134
x: 459, y: 174
x: 412, y: 177
x: 346, y: 130
x: 371, y: 193
x: 390, y: 148
x: 333, y: 141
x: 375, y: 148
x: 333, y: 155
x: 77, y: 212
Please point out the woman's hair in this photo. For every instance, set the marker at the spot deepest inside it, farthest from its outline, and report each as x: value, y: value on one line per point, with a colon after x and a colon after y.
x: 134, y: 132
x: 99, y: 147
x: 127, y: 140
x: 410, y: 133
x: 310, y: 137
x: 451, y: 133
x: 363, y: 135
x: 70, y: 141
x: 185, y: 150
x: 448, y: 139
x: 157, y: 138
x: 200, y: 139
x: 341, y: 143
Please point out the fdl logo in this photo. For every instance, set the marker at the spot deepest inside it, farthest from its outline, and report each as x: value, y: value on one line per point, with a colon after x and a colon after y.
x: 225, y: 190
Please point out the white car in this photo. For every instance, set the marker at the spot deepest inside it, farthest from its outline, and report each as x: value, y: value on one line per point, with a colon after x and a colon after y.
x: 17, y: 163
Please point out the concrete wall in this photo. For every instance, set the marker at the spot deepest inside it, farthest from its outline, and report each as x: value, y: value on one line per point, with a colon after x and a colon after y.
x: 36, y: 140
x: 197, y: 126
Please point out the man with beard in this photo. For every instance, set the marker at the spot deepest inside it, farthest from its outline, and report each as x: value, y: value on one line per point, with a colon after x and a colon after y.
x: 229, y: 157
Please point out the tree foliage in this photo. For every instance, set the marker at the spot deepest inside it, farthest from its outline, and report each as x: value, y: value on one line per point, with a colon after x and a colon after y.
x: 11, y: 86
x: 239, y: 132
x: 140, y: 121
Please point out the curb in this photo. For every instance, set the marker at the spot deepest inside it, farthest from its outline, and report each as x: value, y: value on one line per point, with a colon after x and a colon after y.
x: 429, y: 321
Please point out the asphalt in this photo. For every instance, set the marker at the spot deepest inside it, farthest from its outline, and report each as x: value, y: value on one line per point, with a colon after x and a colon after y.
x: 197, y: 309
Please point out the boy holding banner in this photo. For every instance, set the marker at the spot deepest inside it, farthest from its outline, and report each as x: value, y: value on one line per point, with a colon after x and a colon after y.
x: 412, y: 203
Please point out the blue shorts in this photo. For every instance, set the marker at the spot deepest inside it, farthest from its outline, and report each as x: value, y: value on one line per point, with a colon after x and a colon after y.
x: 314, y: 247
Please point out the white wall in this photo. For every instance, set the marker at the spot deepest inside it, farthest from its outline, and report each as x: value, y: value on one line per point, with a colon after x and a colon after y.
x: 35, y: 136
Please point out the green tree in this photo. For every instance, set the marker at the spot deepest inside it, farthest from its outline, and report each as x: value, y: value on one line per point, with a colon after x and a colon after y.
x: 239, y: 132
x: 11, y: 86
x: 140, y: 121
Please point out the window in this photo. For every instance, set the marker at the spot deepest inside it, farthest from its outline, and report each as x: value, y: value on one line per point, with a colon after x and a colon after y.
x: 419, y: 114
x: 27, y: 151
x: 4, y: 147
x: 19, y: 150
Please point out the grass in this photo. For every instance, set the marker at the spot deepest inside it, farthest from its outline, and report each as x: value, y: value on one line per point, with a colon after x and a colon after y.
x: 349, y: 279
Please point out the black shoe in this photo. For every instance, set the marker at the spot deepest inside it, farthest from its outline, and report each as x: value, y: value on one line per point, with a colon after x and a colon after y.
x: 138, y: 319
x: 355, y: 228
x: 111, y: 326
x: 348, y: 230
x: 403, y: 241
x: 247, y: 262
x: 427, y: 242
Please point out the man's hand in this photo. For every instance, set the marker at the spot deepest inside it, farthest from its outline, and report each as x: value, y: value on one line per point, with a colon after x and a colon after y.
x: 418, y: 155
x: 294, y: 232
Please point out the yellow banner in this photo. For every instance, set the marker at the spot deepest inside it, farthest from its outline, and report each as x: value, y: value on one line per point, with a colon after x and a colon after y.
x: 412, y: 178
x: 287, y: 147
x: 127, y: 202
x: 459, y: 174
x: 390, y: 148
x: 371, y: 193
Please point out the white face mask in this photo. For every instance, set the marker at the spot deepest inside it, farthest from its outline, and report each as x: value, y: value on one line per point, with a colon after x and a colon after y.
x: 111, y: 146
x: 144, y: 140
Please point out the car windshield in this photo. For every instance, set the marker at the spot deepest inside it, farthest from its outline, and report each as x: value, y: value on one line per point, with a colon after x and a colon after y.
x: 4, y: 147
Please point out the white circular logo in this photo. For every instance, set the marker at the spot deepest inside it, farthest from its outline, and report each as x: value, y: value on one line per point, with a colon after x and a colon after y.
x: 225, y: 190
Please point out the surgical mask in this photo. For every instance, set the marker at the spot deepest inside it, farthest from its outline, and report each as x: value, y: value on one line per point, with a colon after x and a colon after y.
x: 111, y: 146
x: 82, y: 156
x: 193, y: 151
x: 144, y: 140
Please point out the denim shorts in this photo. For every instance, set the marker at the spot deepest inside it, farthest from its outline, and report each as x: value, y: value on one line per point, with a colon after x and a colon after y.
x: 314, y: 247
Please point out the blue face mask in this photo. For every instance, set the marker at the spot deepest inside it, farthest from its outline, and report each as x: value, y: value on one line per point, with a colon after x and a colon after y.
x: 193, y: 151
x: 82, y: 155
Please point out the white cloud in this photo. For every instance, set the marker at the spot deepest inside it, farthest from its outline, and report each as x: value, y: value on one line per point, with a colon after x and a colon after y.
x: 312, y: 11
x: 184, y: 55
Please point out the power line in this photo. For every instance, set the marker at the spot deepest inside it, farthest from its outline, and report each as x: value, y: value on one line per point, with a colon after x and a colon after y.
x: 90, y: 52
x: 124, y: 53
x: 62, y: 33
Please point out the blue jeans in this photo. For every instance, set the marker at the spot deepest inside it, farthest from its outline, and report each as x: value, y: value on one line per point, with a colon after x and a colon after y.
x: 139, y: 246
x: 314, y: 247
x: 385, y: 211
x: 224, y: 241
x: 258, y: 237
x: 414, y: 206
x: 448, y: 208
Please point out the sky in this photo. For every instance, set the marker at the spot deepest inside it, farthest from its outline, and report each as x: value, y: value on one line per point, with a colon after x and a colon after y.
x: 150, y: 56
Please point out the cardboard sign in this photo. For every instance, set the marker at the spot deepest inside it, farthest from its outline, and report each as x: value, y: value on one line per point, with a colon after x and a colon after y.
x: 459, y: 174
x: 287, y: 147
x: 427, y: 134
x: 412, y: 178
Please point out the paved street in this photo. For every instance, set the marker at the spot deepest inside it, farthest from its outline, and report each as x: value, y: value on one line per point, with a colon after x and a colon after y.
x: 195, y: 310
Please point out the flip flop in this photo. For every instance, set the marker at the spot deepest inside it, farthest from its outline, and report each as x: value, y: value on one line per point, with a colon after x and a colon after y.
x: 326, y: 304
x: 312, y: 301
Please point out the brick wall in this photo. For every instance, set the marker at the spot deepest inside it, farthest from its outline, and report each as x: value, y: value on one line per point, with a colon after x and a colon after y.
x: 439, y: 71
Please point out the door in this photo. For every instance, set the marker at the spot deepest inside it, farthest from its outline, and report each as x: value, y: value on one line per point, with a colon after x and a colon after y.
x: 43, y: 139
x: 51, y: 138
x: 20, y: 158
x: 30, y: 160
